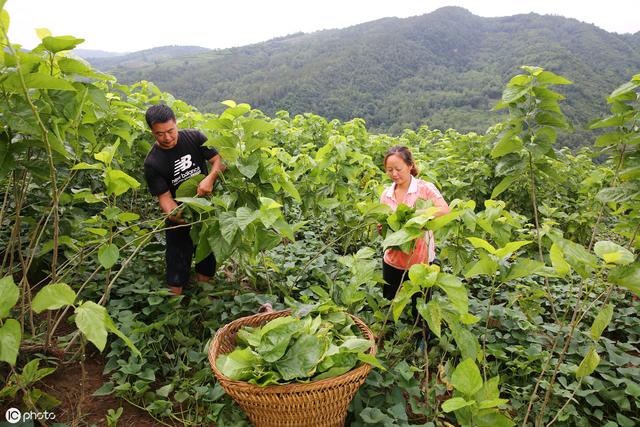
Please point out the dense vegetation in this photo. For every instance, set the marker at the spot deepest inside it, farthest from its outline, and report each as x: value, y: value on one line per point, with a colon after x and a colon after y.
x: 532, y: 313
x: 445, y: 69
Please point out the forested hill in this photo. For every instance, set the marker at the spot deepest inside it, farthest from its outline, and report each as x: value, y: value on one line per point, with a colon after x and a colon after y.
x: 140, y: 59
x: 444, y: 69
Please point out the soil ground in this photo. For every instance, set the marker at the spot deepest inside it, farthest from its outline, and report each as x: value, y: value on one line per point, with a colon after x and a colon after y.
x: 66, y: 385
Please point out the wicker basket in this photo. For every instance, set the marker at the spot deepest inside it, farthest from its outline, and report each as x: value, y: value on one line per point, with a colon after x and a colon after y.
x: 314, y: 404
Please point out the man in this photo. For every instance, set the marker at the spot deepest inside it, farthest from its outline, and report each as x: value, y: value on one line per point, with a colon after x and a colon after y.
x: 176, y: 156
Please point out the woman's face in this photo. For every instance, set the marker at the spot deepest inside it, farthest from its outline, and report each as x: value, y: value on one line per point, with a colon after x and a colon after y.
x: 397, y: 169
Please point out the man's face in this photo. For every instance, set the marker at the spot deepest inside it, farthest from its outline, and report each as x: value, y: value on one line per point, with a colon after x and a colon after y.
x: 166, y: 134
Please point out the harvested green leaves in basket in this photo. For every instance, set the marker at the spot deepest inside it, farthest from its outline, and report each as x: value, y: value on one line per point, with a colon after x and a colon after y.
x: 291, y: 349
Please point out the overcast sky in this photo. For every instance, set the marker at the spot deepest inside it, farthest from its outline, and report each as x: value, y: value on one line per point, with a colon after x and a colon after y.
x: 130, y: 25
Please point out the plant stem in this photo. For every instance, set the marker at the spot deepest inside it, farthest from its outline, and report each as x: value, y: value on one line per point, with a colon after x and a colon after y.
x: 15, y: 236
x: 4, y: 205
x: 18, y: 197
x: 131, y: 402
x: 83, y: 379
x: 575, y: 321
x: 322, y: 249
x: 25, y: 393
x: 52, y: 169
x: 105, y: 296
x: 543, y: 371
x: 494, y: 288
x: 590, y: 306
x: 534, y: 204
x: 633, y: 237
x: 386, y: 317
x: 567, y: 402
x: 103, y: 300
x: 613, y: 184
x: 426, y: 368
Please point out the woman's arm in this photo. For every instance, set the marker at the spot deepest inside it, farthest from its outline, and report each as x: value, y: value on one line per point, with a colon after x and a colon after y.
x: 432, y: 193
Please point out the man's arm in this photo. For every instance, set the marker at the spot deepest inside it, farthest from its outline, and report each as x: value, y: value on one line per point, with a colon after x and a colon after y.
x: 206, y: 185
x: 168, y: 204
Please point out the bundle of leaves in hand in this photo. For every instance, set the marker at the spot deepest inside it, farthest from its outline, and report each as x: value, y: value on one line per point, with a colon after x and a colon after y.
x: 402, y: 227
x: 188, y: 191
x: 290, y: 349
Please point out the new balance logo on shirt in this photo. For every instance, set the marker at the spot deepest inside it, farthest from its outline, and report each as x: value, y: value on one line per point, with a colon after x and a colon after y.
x: 183, y: 169
x: 182, y: 164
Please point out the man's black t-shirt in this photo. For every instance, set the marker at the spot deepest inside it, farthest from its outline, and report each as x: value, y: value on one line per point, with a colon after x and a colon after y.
x: 165, y: 170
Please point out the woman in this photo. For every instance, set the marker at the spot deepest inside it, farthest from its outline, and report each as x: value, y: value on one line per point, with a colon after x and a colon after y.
x: 406, y: 189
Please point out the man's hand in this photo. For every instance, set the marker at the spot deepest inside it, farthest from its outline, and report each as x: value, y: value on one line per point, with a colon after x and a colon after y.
x: 177, y: 217
x: 206, y: 186
x: 169, y: 207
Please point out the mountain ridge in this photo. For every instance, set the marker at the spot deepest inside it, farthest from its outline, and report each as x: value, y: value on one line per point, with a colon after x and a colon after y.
x: 141, y: 58
x: 445, y: 69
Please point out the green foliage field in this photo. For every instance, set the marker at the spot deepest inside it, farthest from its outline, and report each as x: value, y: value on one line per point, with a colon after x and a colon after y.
x: 532, y: 310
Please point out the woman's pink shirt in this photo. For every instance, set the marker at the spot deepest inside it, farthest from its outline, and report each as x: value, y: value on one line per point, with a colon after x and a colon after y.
x: 425, y: 249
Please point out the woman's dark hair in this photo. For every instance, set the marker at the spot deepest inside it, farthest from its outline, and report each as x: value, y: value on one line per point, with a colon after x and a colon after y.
x: 160, y: 113
x: 406, y: 156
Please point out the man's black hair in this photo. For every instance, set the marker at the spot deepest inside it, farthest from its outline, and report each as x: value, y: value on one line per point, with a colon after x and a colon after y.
x: 160, y: 113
